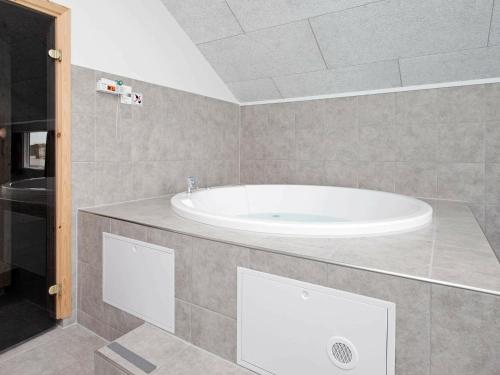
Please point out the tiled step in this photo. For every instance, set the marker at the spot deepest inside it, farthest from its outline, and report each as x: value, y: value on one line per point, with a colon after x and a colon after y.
x: 150, y: 350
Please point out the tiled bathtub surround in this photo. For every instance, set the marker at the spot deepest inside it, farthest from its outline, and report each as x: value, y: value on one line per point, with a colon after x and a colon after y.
x: 439, y: 143
x: 123, y: 152
x: 438, y: 328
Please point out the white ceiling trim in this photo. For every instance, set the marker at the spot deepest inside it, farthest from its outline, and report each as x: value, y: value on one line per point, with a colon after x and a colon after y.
x: 380, y: 91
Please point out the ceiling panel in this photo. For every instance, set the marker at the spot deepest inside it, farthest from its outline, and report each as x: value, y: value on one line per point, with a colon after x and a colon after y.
x: 402, y: 28
x: 265, y: 53
x: 456, y: 66
x: 353, y: 78
x: 204, y: 20
x: 259, y: 89
x: 495, y: 25
x: 267, y: 49
x: 259, y: 14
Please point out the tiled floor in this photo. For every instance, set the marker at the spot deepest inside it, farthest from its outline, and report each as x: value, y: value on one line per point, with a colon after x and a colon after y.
x: 167, y: 353
x: 61, y: 351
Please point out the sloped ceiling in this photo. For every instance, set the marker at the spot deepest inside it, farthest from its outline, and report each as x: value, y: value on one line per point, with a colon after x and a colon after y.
x: 272, y: 49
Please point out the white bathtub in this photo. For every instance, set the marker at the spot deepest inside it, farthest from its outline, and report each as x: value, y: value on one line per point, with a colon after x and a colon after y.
x: 304, y: 210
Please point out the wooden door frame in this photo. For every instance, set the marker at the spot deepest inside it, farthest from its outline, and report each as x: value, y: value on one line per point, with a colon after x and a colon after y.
x: 62, y: 17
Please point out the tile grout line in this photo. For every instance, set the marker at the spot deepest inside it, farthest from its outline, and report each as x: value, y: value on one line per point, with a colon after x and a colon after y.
x: 317, y: 43
x: 277, y: 87
x: 491, y: 22
x: 246, y: 32
x: 236, y: 18
x: 400, y: 75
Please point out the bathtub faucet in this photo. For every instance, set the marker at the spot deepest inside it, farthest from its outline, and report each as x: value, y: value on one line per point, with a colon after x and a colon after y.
x: 192, y: 184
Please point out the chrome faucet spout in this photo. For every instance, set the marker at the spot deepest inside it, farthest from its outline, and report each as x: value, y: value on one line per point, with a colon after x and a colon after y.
x: 192, y: 184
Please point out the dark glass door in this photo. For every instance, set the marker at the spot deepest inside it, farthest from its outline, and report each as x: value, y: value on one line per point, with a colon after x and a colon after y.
x: 27, y: 151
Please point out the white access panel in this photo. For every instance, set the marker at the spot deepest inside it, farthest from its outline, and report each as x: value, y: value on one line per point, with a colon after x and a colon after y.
x: 289, y: 327
x: 139, y: 278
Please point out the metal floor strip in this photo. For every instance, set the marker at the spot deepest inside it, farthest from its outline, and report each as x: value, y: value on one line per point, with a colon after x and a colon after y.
x: 132, y: 357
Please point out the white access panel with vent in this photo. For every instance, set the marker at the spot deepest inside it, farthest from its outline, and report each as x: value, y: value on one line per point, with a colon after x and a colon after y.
x: 289, y: 327
x: 139, y: 278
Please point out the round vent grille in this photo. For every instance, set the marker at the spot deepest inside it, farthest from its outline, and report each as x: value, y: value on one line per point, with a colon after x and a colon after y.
x: 342, y: 353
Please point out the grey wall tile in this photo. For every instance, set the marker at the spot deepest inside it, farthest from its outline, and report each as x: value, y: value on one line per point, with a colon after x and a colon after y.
x: 111, y: 144
x: 149, y: 342
x: 129, y: 230
x: 114, y: 182
x: 83, y: 136
x: 310, y: 130
x: 478, y: 265
x: 459, y: 234
x: 267, y: 132
x: 341, y: 173
x: 82, y: 90
x: 105, y: 367
x: 416, y: 179
x: 83, y: 177
x: 461, y: 142
x: 310, y: 143
x: 183, y: 319
x: 377, y: 110
x: 347, y: 79
x: 222, y: 126
x: 90, y: 290
x: 267, y: 171
x: 285, y: 49
x: 492, y: 142
x: 119, y: 319
x: 464, y: 331
x: 129, y: 142
x: 418, y: 142
x: 258, y: 89
x: 412, y: 311
x: 194, y: 360
x: 213, y: 332
x: 341, y: 112
x: 493, y: 183
x: 492, y: 102
x: 341, y: 141
x: 341, y: 130
x: 152, y: 109
x: 493, y: 227
x: 478, y: 210
x: 204, y: 20
x: 287, y: 266
x: 429, y: 143
x: 90, y: 228
x: 450, y: 67
x: 214, y: 275
x: 309, y: 172
x: 461, y: 104
x: 183, y: 248
x: 378, y: 143
x: 461, y: 181
x: 222, y: 172
x: 417, y: 107
x: 254, y: 122
x: 377, y: 176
